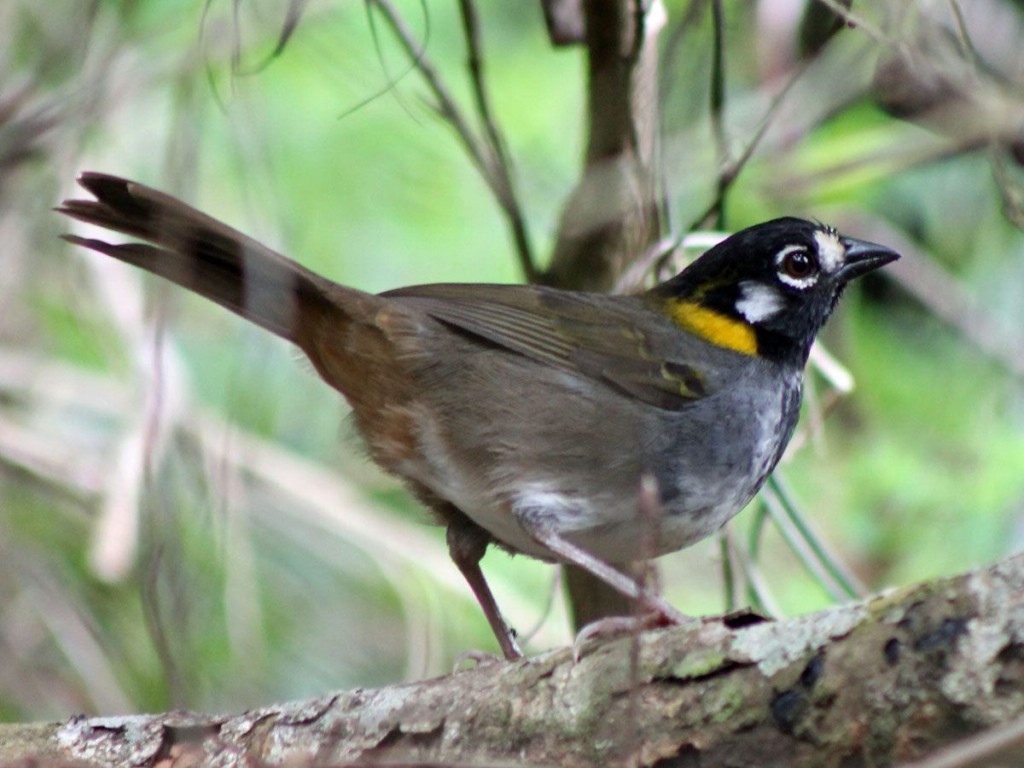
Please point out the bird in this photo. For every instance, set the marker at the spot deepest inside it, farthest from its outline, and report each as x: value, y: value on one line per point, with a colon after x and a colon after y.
x: 530, y: 417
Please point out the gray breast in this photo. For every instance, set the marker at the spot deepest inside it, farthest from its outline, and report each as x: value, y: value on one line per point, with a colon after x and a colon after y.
x: 723, y: 453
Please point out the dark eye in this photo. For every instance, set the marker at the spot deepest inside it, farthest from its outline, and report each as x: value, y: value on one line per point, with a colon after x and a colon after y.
x: 798, y: 265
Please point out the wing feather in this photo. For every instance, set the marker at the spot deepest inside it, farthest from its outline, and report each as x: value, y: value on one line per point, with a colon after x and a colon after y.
x: 580, y: 332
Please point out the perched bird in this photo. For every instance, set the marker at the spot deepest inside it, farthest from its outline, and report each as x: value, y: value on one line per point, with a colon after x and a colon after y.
x: 525, y: 416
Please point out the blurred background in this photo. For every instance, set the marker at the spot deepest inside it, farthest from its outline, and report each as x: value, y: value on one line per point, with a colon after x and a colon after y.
x: 186, y: 517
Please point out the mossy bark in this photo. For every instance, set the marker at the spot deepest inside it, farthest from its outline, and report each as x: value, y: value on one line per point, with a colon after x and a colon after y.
x: 875, y: 683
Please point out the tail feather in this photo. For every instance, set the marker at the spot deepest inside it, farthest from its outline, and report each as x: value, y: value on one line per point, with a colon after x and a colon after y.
x: 198, y: 253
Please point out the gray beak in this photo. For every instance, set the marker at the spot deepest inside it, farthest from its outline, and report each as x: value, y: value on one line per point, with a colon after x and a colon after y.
x: 862, y: 257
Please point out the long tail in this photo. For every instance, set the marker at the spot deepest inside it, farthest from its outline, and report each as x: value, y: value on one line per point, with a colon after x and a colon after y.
x: 201, y: 254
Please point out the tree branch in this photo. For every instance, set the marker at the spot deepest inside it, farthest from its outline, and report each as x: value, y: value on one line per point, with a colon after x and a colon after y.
x: 501, y: 163
x: 891, y: 679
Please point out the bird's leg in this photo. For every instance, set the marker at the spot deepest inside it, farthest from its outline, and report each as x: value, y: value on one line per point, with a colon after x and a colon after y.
x: 568, y: 552
x: 649, y: 515
x: 467, y: 543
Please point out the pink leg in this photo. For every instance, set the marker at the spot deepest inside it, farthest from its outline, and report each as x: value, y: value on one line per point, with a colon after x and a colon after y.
x: 466, y: 545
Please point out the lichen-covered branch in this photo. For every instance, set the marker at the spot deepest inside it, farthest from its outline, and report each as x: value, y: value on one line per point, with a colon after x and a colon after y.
x: 890, y: 679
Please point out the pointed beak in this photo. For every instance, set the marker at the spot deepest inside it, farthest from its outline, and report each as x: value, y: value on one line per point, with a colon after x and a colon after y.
x: 862, y: 257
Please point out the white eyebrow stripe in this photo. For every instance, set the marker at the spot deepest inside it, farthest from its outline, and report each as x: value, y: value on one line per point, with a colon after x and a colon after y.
x: 787, y: 250
x: 831, y: 251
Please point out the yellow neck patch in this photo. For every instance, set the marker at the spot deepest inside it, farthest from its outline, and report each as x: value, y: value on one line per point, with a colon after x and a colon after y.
x: 712, y: 326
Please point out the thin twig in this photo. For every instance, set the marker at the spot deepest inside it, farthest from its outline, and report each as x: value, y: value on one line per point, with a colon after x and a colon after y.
x: 501, y: 167
x: 676, y: 38
x: 1010, y: 193
x: 236, y: 37
x: 730, y: 172
x: 1001, y: 745
x: 717, y: 94
x: 446, y: 105
x: 970, y: 53
x: 392, y: 81
x: 799, y: 546
x: 852, y: 19
x: 486, y: 156
x: 744, y: 559
x: 671, y: 49
x: 836, y: 573
x: 157, y: 629
x: 725, y: 552
x: 1009, y: 190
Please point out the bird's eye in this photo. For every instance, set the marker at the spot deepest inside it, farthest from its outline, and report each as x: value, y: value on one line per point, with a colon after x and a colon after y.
x: 797, y: 267
x: 798, y: 264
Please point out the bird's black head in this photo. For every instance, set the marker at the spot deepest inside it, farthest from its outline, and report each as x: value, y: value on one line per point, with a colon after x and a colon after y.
x: 769, y: 289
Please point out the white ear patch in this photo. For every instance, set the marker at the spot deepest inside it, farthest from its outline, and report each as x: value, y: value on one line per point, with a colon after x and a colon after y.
x: 831, y: 251
x: 758, y: 301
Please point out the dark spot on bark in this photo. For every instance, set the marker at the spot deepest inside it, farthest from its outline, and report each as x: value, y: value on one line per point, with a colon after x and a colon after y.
x: 1014, y: 652
x: 812, y: 672
x: 401, y: 742
x: 180, y: 738
x: 189, y: 734
x: 745, y: 617
x: 391, y: 738
x: 688, y: 756
x: 855, y: 760
x: 1011, y: 670
x: 892, y: 650
x: 943, y: 637
x: 789, y: 708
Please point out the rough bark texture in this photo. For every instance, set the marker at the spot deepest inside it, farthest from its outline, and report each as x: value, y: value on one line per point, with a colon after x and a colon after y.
x: 873, y: 684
